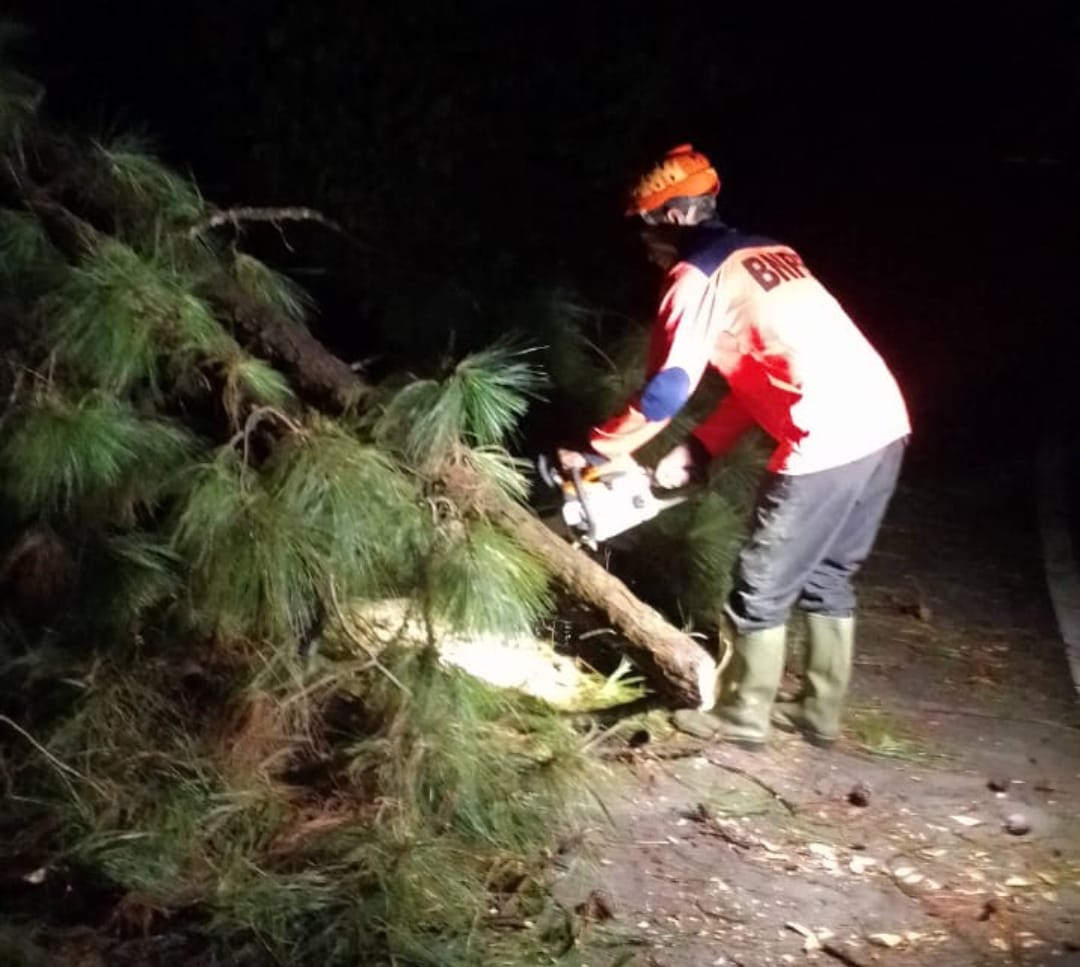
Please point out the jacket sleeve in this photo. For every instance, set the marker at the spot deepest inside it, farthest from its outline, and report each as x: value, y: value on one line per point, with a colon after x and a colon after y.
x: 681, y: 345
x: 721, y: 430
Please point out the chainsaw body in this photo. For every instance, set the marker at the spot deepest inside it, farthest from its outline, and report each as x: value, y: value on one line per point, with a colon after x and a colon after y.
x: 602, y: 502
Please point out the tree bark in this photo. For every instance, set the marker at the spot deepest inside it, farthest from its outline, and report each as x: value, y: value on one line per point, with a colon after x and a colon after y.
x: 319, y: 376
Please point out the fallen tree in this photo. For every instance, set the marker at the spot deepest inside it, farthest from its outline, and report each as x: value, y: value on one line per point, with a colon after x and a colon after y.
x: 195, y: 498
x: 192, y: 751
x: 676, y: 665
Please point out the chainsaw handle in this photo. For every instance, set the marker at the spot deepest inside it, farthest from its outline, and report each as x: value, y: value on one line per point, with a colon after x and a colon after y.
x: 590, y: 520
x: 548, y: 472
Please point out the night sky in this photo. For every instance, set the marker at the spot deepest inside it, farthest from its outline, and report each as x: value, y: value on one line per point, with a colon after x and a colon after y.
x: 923, y: 162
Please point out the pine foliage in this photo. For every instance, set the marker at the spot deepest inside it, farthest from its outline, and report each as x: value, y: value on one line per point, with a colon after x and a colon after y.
x: 251, y: 380
x: 483, y: 581
x: 477, y: 404
x: 364, y: 511
x: 62, y: 456
x: 445, y: 726
x: 254, y: 565
x: 124, y: 175
x: 266, y: 286
x: 268, y: 544
x: 120, y: 319
x: 572, y: 333
x: 27, y: 257
x: 137, y: 574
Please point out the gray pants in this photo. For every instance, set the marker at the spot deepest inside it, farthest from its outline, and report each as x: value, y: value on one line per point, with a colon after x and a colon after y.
x: 810, y: 536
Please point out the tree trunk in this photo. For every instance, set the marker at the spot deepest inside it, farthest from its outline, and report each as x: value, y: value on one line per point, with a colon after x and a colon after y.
x: 675, y: 664
x: 318, y: 375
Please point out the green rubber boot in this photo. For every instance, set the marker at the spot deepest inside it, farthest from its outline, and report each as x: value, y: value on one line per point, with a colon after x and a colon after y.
x: 748, y: 691
x: 829, y: 653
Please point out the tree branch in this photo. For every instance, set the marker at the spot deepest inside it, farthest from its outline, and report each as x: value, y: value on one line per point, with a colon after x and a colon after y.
x: 318, y: 374
x: 248, y: 213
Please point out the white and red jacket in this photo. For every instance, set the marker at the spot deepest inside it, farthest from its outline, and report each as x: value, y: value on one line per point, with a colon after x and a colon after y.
x: 795, y: 363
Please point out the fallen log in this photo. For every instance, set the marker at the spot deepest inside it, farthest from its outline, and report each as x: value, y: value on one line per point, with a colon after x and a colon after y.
x: 675, y: 664
x: 320, y: 377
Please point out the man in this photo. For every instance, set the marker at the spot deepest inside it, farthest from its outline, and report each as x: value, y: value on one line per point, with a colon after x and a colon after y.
x: 796, y: 366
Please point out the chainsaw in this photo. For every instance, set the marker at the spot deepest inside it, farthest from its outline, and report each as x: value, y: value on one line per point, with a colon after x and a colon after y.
x: 599, y: 503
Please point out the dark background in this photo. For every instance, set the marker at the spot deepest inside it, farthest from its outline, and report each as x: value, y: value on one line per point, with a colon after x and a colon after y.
x: 922, y: 161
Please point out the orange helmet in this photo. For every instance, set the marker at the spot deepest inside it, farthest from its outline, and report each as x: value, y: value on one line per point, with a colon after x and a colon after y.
x: 683, y: 171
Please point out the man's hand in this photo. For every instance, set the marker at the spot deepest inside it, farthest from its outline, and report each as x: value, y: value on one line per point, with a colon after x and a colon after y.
x: 681, y: 466
x: 597, y: 466
x: 571, y: 459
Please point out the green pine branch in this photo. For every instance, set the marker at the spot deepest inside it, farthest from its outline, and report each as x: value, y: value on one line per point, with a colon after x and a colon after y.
x: 481, y: 579
x: 72, y: 456
x: 134, y: 183
x: 272, y: 288
x: 122, y: 321
x: 479, y: 403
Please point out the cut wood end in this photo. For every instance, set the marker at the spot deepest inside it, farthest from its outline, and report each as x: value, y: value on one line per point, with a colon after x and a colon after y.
x: 707, y: 683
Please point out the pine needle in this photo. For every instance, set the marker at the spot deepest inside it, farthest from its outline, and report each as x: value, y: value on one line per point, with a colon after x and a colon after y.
x: 483, y: 761
x: 255, y: 563
x: 265, y: 285
x: 482, y: 580
x: 252, y: 380
x: 26, y: 254
x: 120, y: 315
x: 265, y: 545
x: 571, y: 330
x: 478, y: 404
x: 59, y: 456
x: 500, y: 470
x: 363, y: 513
x: 495, y: 386
x: 138, y: 183
x: 137, y: 573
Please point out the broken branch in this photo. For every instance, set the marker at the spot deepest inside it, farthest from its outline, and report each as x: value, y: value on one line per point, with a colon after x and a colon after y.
x: 246, y: 213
